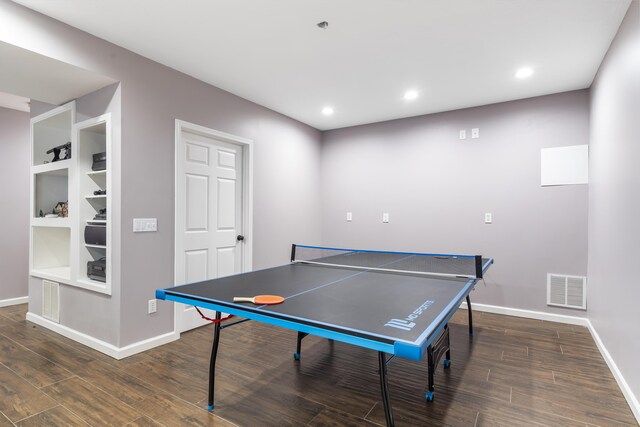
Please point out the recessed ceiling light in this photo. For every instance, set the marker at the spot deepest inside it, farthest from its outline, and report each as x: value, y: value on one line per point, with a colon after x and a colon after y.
x: 410, y: 95
x: 327, y: 111
x: 523, y: 73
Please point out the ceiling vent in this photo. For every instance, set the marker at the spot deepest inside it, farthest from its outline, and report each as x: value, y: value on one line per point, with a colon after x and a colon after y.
x: 567, y: 291
x: 51, y: 301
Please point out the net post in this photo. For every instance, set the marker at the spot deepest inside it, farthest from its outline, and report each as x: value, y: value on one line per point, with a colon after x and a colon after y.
x: 478, y: 266
x: 293, y: 252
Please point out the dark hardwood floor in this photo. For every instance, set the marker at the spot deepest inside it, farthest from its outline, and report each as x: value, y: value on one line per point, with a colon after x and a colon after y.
x: 513, y: 372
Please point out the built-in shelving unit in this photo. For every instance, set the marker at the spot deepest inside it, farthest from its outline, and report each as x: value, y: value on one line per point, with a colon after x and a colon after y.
x: 51, y: 235
x: 93, y: 137
x: 58, y: 250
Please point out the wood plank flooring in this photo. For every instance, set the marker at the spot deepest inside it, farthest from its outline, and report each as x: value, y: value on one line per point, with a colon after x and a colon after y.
x: 512, y: 372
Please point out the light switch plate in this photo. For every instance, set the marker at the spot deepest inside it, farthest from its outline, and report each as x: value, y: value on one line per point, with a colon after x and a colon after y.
x: 143, y: 225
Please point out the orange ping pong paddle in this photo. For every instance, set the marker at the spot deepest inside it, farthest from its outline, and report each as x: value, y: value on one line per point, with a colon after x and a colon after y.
x: 261, y: 299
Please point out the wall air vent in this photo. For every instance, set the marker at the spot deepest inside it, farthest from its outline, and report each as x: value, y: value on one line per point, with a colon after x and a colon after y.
x: 51, y: 301
x: 567, y: 291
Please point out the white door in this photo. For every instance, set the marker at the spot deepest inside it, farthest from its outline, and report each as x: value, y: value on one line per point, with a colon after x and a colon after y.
x: 209, y: 213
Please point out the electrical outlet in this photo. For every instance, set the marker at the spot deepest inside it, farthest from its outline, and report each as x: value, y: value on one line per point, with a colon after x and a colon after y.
x: 153, y: 306
x: 463, y: 134
x: 349, y: 216
x: 475, y: 133
x: 385, y: 217
x: 488, y: 218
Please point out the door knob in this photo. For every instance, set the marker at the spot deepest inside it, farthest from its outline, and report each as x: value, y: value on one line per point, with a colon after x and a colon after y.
x: 240, y: 238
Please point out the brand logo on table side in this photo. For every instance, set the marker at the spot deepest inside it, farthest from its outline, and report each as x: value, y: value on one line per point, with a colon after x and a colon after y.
x: 407, y: 323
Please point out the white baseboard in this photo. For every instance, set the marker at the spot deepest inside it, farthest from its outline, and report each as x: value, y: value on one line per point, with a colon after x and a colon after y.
x: 102, y: 346
x: 13, y: 301
x: 529, y: 314
x: 572, y: 320
x: 632, y: 400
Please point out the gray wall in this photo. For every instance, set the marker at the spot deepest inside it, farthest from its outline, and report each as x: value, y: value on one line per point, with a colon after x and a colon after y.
x: 614, y: 200
x: 437, y: 188
x: 286, y: 171
x: 14, y: 174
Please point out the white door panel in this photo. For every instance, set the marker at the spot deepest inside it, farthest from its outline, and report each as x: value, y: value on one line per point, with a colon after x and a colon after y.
x: 208, y: 215
x: 196, y: 265
x: 226, y: 261
x: 197, y: 202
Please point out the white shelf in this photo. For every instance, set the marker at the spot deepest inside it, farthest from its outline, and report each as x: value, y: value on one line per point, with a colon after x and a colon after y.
x: 96, y: 246
x: 51, y: 167
x: 51, y: 222
x: 94, y: 285
x: 97, y: 221
x: 59, y: 274
x: 94, y: 196
x: 96, y: 173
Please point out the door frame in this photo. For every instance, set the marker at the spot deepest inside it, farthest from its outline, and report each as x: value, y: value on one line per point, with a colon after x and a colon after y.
x: 247, y: 196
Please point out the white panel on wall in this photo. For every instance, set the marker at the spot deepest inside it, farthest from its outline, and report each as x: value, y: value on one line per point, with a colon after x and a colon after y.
x: 564, y: 165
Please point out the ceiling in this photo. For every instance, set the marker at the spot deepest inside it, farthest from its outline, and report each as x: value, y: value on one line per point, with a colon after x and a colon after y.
x: 453, y: 53
x: 34, y: 76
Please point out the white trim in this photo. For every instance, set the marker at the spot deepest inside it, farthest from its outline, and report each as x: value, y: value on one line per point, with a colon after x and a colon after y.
x: 529, y: 314
x: 247, y: 193
x: 102, y: 346
x: 14, y: 301
x: 632, y: 400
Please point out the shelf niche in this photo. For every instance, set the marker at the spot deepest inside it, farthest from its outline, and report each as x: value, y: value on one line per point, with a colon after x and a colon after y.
x: 51, y: 253
x: 93, y: 136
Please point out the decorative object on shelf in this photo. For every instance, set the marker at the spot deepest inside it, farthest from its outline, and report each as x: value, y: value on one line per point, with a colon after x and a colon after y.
x: 95, y: 234
x: 101, y: 215
x: 40, y: 214
x: 62, y: 209
x: 100, y: 192
x: 56, y: 152
x: 97, y: 270
x: 99, y: 162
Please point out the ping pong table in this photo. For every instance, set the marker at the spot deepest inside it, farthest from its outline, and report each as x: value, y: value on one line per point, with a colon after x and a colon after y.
x: 396, y: 303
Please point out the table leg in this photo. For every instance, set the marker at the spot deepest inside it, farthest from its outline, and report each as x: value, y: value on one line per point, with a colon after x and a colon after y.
x: 298, y: 352
x: 470, y: 316
x: 212, y: 361
x: 384, y: 387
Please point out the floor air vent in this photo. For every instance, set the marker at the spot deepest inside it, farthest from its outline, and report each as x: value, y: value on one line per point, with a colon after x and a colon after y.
x: 51, y: 301
x: 567, y: 291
